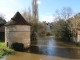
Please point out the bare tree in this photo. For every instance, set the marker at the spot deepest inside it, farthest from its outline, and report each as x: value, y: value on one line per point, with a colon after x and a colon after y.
x: 27, y: 14
x: 64, y: 13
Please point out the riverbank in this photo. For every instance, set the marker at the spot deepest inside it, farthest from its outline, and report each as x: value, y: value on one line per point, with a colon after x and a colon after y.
x: 4, y: 50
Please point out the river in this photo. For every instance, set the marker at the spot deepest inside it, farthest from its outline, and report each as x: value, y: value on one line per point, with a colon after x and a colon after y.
x: 47, y: 49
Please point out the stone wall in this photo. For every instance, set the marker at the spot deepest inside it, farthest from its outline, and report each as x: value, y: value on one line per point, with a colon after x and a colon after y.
x: 17, y: 33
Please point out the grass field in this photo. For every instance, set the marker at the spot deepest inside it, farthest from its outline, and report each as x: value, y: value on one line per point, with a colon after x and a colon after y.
x: 4, y: 50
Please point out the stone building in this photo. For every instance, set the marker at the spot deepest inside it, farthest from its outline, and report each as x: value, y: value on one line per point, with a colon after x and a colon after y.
x: 17, y: 30
x: 48, y: 26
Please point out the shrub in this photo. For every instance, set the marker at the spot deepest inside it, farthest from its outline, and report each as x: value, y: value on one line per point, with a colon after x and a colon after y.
x: 4, y: 50
x: 33, y: 36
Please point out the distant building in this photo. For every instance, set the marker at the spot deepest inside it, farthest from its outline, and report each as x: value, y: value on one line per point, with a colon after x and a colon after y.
x: 48, y: 26
x: 17, y: 30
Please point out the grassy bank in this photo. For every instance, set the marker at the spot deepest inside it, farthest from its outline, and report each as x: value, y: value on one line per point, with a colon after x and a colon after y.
x: 4, y: 50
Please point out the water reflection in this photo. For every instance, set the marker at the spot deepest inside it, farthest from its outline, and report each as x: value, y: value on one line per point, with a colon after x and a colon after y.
x: 71, y: 53
x: 50, y: 47
x: 47, y: 49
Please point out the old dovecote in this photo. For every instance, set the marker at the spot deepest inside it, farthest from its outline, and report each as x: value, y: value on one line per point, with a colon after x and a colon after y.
x: 17, y: 30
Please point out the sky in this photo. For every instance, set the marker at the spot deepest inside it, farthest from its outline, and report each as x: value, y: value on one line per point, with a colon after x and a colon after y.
x: 46, y: 8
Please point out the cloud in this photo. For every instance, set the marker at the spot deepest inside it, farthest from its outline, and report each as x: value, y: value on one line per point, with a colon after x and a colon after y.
x: 38, y: 2
x: 47, y: 18
x: 7, y: 12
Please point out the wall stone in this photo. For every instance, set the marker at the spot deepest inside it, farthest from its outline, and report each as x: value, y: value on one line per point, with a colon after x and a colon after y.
x: 17, y: 33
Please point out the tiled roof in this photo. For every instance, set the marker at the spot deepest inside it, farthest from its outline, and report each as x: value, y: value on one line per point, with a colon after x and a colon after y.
x: 17, y: 19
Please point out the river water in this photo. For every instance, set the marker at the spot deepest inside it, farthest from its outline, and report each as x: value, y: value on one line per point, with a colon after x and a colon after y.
x: 47, y: 49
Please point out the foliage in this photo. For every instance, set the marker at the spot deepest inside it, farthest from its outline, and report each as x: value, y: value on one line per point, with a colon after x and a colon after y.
x: 41, y: 29
x: 37, y: 27
x: 74, y: 25
x: 33, y: 35
x: 33, y: 21
x: 61, y: 26
x: 75, y: 21
x: 65, y: 13
x: 4, y: 50
x: 60, y: 29
x: 2, y: 20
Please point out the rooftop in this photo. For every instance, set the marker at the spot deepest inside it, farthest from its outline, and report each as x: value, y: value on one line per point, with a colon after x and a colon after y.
x: 17, y: 19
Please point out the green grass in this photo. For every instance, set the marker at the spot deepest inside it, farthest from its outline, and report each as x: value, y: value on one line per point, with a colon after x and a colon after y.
x: 4, y: 50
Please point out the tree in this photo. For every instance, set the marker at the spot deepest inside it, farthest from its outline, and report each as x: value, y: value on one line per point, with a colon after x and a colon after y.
x: 65, y: 13
x: 37, y: 27
x: 27, y: 14
x: 75, y: 20
x: 74, y: 24
x: 2, y: 20
x: 60, y: 29
x: 41, y: 29
x: 61, y: 25
x: 33, y: 21
x: 35, y: 9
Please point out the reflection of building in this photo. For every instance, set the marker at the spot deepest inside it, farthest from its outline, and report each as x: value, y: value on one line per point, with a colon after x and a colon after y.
x: 17, y: 30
